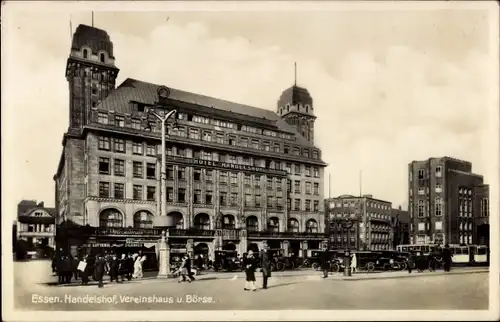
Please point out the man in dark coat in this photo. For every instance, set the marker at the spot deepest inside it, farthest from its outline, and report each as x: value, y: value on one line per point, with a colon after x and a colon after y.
x: 410, y: 262
x: 129, y: 262
x: 265, y: 267
x: 113, y: 268
x: 74, y: 267
x: 60, y: 268
x: 188, y: 268
x: 68, y: 273
x: 447, y: 258
x: 324, y: 262
x: 100, y: 269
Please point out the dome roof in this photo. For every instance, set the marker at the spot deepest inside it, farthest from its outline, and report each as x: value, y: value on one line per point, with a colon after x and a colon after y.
x: 96, y: 39
x: 295, y: 95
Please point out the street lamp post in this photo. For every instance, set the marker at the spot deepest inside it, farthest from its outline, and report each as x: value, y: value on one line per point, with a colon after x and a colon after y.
x: 163, y: 220
x: 347, y: 224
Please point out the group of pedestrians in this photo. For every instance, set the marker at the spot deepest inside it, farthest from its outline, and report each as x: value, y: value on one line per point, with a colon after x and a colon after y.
x: 250, y: 263
x: 421, y: 262
x: 119, y: 269
x: 185, y: 269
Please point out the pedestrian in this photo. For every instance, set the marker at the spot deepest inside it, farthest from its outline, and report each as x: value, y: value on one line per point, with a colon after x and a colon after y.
x: 354, y: 263
x: 250, y: 272
x: 60, y: 269
x: 100, y: 269
x: 68, y: 273
x: 432, y: 262
x: 83, y: 268
x: 265, y: 265
x: 410, y: 262
x: 138, y: 273
x: 447, y: 258
x: 129, y: 262
x: 188, y: 268
x: 324, y: 262
x: 113, y: 268
x: 74, y: 267
x: 122, y: 267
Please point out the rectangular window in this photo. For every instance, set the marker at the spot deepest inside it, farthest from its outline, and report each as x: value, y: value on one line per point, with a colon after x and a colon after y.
x: 289, y: 204
x: 104, y: 189
x: 103, y: 165
x: 277, y: 148
x: 316, y: 172
x: 136, y: 124
x: 194, y: 134
x: 279, y: 203
x: 314, y: 154
x: 255, y: 144
x: 137, y: 170
x: 421, y: 191
x: 151, y: 170
x: 248, y: 200
x: 208, y: 175
x: 220, y: 138
x: 170, y: 194
x: 308, y: 205
x: 244, y: 142
x: 223, y: 198
x: 296, y: 151
x: 308, y: 188
x: 197, y: 175
x: 421, y: 173
x: 439, y: 171
x: 119, y: 121
x: 421, y: 226
x: 102, y: 118
x: 137, y: 148
x: 151, y: 150
x: 197, y: 196
x: 223, y: 177
x: 297, y: 169
x: 257, y: 200
x: 207, y: 136
x: 234, y: 178
x: 420, y: 208
x: 316, y: 206
x: 297, y: 187
x: 246, y: 179
x: 289, y: 185
x: 137, y: 192
x: 234, y: 199
x: 182, y: 195
x: 267, y: 146
x: 306, y: 153
x: 439, y: 225
x: 151, y: 193
x: 270, y: 202
x: 439, y: 188
x: 170, y: 171
x: 209, y: 197
x: 296, y: 205
x: 316, y: 189
x: 119, y: 145
x: 181, y: 173
x: 119, y: 167
x: 104, y: 143
x: 119, y: 191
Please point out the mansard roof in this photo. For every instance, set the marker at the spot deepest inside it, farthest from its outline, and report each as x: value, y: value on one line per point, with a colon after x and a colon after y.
x: 132, y: 90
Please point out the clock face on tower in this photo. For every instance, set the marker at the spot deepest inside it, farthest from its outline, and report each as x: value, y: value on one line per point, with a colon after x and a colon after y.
x: 163, y: 92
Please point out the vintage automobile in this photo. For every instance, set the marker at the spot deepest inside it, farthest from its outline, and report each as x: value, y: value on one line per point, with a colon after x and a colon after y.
x: 226, y: 260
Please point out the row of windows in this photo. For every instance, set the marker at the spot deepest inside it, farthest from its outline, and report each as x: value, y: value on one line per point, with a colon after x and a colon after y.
x: 425, y: 190
x: 424, y: 226
x: 118, y: 191
x: 421, y: 209
x: 377, y: 236
x: 221, y: 138
x: 354, y: 203
x: 297, y: 187
x: 297, y: 205
x: 119, y: 168
x: 86, y: 53
x: 119, y: 145
x: 421, y: 173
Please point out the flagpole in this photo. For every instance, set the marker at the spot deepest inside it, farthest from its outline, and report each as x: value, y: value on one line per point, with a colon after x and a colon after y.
x: 329, y: 185
x: 92, y: 18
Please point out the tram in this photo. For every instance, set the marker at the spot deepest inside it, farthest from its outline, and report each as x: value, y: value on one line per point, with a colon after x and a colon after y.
x: 461, y: 254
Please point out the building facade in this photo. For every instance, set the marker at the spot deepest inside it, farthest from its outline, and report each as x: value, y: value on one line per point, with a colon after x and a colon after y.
x: 371, y: 223
x: 401, y: 227
x: 35, y: 224
x: 237, y: 177
x: 444, y: 201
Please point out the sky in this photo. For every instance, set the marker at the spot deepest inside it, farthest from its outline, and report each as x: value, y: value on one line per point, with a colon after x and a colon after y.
x: 389, y: 86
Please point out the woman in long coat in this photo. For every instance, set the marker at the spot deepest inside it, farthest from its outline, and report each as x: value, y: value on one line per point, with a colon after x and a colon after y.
x: 250, y: 264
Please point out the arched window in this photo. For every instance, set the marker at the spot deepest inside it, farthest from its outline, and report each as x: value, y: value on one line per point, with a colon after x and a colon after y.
x: 177, y: 218
x: 202, y: 222
x: 252, y: 223
x: 228, y: 222
x: 102, y: 58
x: 293, y: 225
x: 143, y: 219
x: 273, y: 225
x: 110, y: 218
x: 85, y: 54
x: 311, y: 226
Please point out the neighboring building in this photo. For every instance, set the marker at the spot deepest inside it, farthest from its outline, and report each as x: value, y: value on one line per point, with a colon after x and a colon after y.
x: 482, y: 218
x: 255, y: 172
x: 442, y: 194
x: 401, y: 227
x: 35, y: 224
x: 372, y: 229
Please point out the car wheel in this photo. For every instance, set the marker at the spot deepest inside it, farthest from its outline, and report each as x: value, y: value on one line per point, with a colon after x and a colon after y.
x: 315, y: 266
x: 370, y: 267
x: 335, y: 268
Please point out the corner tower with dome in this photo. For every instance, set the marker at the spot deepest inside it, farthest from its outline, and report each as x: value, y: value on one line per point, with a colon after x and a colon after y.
x: 238, y: 177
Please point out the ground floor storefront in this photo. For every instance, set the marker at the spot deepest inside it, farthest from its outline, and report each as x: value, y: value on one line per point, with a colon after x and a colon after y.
x: 87, y: 240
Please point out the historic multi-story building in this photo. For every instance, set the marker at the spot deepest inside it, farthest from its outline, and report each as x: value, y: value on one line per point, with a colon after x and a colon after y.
x: 401, y: 227
x: 443, y: 201
x: 237, y: 176
x: 35, y: 224
x: 371, y: 223
x: 482, y: 214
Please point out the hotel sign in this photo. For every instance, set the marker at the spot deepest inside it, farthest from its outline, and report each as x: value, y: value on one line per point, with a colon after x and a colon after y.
x: 225, y: 165
x: 126, y: 232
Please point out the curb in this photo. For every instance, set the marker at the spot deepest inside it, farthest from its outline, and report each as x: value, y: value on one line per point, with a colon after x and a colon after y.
x: 414, y: 275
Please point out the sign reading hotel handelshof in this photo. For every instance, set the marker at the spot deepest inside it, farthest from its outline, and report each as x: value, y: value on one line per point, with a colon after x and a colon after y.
x: 127, y: 231
x: 225, y: 165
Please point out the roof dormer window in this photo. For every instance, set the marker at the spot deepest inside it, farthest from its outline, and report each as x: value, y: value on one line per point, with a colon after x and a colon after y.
x: 102, y: 58
x: 85, y: 54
